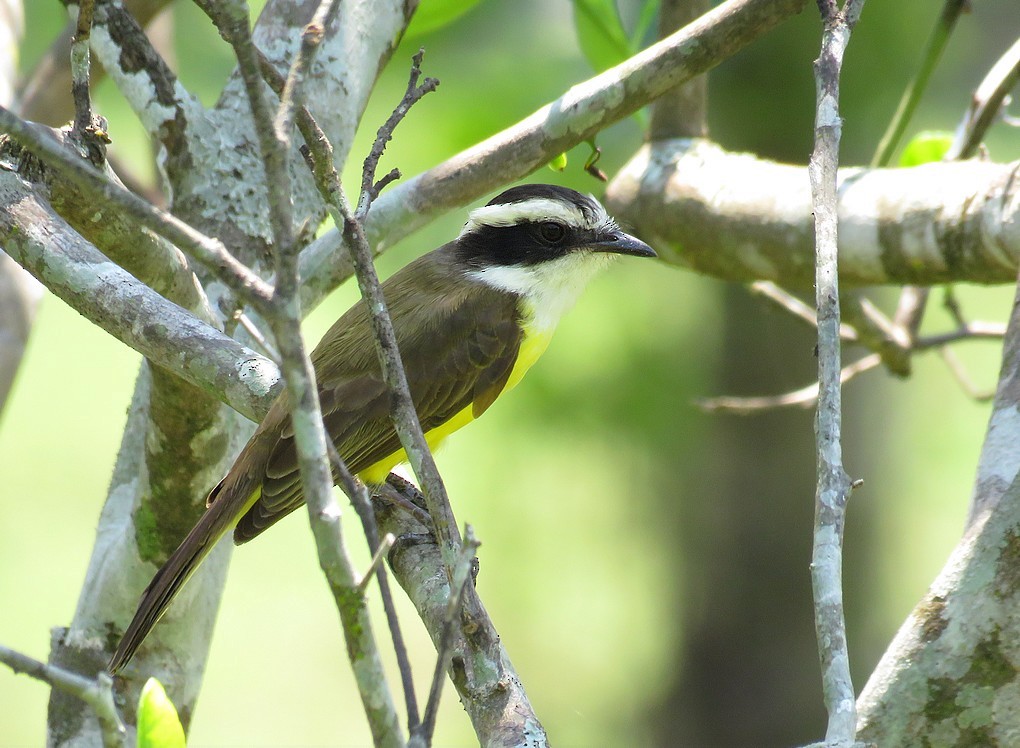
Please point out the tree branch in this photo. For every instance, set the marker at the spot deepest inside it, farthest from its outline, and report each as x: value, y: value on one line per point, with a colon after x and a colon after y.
x: 481, y: 671
x: 582, y: 112
x: 210, y: 252
x: 19, y: 296
x: 736, y: 217
x: 43, y: 93
x: 98, y: 693
x: 311, y: 440
x: 950, y: 671
x: 943, y: 29
x: 834, y: 484
x: 160, y: 330
x: 986, y: 104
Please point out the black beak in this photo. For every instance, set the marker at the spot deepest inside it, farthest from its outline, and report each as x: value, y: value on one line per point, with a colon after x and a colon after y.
x: 622, y: 244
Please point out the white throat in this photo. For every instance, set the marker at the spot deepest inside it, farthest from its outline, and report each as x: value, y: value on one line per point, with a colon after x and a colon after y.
x: 549, y: 288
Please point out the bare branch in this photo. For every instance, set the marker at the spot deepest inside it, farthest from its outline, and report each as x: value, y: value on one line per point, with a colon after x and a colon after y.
x: 489, y: 688
x: 461, y: 577
x: 126, y: 308
x: 806, y: 397
x: 362, y: 501
x: 369, y: 187
x: 377, y: 561
x: 210, y: 252
x: 284, y: 316
x: 986, y: 104
x: 834, y: 484
x: 877, y: 332
x: 796, y: 307
x: 97, y: 693
x: 572, y: 119
x: 737, y: 217
x: 80, y: 92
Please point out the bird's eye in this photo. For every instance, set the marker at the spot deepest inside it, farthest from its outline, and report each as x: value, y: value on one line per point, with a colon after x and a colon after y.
x: 552, y: 232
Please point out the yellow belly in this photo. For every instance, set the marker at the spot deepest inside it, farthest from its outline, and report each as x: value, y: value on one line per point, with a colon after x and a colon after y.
x: 532, y: 347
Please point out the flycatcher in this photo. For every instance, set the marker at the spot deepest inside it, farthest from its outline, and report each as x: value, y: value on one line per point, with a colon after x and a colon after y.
x: 470, y: 318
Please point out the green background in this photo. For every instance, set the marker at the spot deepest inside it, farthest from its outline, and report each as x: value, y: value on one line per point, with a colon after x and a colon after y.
x: 565, y: 481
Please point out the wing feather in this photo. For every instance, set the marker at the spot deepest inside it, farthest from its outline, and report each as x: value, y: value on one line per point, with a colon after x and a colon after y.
x: 468, y: 366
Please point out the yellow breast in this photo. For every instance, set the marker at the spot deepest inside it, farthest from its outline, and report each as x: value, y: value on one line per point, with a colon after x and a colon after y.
x: 532, y: 347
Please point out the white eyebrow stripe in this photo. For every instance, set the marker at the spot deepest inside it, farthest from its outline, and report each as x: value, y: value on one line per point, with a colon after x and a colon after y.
x: 533, y: 209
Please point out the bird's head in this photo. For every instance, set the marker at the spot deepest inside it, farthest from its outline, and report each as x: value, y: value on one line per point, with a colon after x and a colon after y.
x: 543, y: 242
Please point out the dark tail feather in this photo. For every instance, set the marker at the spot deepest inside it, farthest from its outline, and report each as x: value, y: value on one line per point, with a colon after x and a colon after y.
x: 169, y: 579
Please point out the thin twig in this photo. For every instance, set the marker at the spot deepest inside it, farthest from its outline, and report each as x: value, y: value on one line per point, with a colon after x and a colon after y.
x: 320, y: 156
x: 986, y: 104
x: 834, y: 484
x: 461, y: 575
x: 405, y: 419
x: 962, y: 377
x: 805, y: 397
x: 376, y: 563
x: 80, y: 90
x: 369, y: 187
x: 877, y: 332
x: 206, y: 250
x: 284, y: 316
x: 796, y: 307
x: 910, y: 309
x: 256, y: 335
x: 362, y: 501
x: 970, y: 331
x: 98, y: 693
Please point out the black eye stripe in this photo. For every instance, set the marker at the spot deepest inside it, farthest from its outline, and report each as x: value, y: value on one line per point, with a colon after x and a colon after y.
x: 518, y: 244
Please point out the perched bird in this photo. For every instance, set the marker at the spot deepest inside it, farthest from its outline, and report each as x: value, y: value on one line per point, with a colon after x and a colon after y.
x: 470, y: 318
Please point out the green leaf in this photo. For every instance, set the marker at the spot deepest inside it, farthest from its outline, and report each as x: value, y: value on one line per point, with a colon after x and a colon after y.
x: 649, y: 12
x: 434, y: 14
x: 600, y: 33
x: 158, y: 723
x: 926, y: 147
x: 559, y: 163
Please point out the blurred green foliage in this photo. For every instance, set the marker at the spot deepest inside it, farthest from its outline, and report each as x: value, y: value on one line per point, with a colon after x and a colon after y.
x: 926, y: 147
x: 561, y: 480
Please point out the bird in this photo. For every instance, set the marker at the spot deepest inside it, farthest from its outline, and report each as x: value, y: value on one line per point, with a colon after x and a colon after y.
x: 470, y: 318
